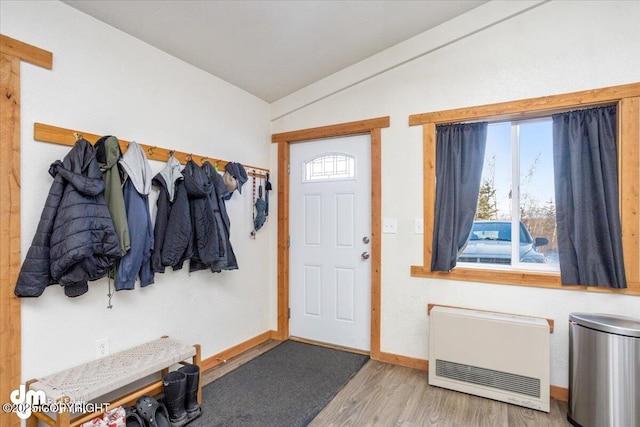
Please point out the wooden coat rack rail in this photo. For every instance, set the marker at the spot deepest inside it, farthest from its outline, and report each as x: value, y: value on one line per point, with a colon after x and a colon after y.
x: 62, y: 136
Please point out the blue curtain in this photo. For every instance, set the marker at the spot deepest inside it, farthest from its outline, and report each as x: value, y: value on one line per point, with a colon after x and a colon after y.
x: 587, y: 208
x: 459, y: 160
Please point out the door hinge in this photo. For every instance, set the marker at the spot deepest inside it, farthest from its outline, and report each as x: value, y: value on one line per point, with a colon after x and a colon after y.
x: 289, y: 241
x: 289, y: 313
x: 289, y: 168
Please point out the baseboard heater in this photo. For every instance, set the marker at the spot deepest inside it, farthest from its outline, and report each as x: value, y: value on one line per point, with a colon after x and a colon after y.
x: 499, y: 356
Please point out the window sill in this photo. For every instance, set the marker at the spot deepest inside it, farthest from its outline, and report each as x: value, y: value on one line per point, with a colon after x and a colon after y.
x: 507, y: 277
x: 536, y: 279
x: 524, y: 268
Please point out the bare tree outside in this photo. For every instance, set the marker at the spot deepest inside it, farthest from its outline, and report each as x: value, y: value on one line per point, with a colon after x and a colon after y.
x: 537, y: 215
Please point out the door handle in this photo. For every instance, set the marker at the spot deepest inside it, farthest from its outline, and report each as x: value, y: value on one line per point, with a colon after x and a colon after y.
x: 365, y: 255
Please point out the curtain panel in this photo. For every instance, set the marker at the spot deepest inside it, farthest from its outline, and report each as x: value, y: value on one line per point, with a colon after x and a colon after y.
x: 459, y: 160
x: 587, y: 206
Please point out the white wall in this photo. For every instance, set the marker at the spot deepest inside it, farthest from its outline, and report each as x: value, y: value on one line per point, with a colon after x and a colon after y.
x: 555, y: 47
x: 106, y: 82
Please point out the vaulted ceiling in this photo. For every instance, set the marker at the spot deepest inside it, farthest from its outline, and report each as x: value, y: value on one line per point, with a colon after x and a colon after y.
x: 273, y: 48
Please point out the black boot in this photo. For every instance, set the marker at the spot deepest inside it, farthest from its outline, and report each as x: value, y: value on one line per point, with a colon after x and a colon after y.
x: 174, y: 384
x: 193, y: 380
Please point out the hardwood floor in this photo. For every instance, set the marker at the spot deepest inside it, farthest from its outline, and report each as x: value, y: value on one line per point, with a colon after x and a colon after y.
x: 388, y: 395
x: 384, y: 395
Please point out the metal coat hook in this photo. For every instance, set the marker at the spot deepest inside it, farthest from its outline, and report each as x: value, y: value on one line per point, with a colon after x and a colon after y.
x: 77, y: 135
x: 171, y: 153
x: 150, y: 150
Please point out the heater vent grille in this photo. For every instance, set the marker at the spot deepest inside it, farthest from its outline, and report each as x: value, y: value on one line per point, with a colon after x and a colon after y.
x: 488, y: 377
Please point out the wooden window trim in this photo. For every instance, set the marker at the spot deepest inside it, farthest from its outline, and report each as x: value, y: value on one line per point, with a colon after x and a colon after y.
x: 627, y: 98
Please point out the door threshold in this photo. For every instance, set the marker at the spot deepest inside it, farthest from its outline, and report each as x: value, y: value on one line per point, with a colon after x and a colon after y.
x: 329, y: 345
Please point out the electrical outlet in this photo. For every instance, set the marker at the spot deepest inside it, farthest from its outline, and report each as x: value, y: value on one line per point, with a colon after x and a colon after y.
x: 390, y: 225
x: 418, y: 226
x: 102, y: 347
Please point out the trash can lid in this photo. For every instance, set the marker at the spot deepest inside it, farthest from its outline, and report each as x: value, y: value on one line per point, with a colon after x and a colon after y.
x: 611, y: 323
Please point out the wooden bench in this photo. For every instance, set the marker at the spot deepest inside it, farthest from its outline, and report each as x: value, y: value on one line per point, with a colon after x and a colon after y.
x: 88, y: 382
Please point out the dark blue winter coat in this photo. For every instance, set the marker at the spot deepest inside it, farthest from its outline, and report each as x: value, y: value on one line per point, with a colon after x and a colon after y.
x: 75, y: 241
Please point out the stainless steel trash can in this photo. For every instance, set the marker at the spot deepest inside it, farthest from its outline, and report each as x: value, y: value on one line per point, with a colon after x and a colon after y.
x: 604, y: 370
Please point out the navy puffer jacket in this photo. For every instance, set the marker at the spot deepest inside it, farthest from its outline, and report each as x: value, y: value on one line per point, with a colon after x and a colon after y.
x: 75, y: 241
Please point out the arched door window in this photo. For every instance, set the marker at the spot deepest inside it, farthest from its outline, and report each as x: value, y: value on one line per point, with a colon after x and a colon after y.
x: 330, y: 167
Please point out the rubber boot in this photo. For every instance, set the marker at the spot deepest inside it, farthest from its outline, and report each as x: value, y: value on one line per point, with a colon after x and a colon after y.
x: 174, y: 384
x: 192, y: 373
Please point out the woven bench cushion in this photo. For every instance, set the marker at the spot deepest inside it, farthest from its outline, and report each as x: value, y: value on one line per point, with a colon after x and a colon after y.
x: 99, y: 377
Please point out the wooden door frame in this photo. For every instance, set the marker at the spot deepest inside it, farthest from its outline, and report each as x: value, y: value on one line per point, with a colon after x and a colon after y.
x: 12, y: 52
x: 284, y: 140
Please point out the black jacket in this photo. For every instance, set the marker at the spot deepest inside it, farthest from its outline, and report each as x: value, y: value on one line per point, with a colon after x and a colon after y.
x: 226, y: 259
x: 206, y: 244
x: 173, y: 234
x: 75, y: 241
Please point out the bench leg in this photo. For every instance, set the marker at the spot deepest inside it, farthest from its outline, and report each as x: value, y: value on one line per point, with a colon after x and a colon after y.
x: 63, y: 419
x: 32, y: 421
x: 197, y: 360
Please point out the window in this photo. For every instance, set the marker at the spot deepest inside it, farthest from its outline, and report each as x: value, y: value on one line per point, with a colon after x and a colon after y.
x: 515, y: 218
x: 627, y: 99
x: 330, y: 167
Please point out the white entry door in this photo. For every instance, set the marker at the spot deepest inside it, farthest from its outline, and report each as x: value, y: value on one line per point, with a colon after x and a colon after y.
x: 330, y: 226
